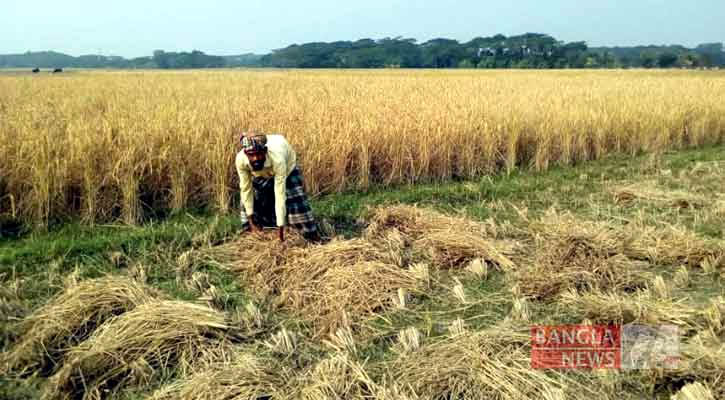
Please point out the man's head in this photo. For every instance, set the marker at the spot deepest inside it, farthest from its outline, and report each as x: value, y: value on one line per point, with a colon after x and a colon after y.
x: 254, y: 146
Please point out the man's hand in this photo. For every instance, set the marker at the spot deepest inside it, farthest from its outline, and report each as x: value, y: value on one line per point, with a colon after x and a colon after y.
x: 281, y: 233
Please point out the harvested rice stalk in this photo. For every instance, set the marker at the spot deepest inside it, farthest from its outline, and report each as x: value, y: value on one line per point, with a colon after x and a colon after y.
x: 453, y: 249
x: 649, y: 192
x: 409, y: 340
x: 682, y: 277
x: 336, y: 377
x: 579, y: 255
x: 283, y: 342
x: 694, y: 391
x: 479, y: 268
x: 459, y: 292
x: 489, y: 364
x: 640, y: 307
x: 660, y: 288
x: 414, y: 222
x: 342, y: 341
x: 672, y: 246
x: 328, y: 292
x: 136, y: 347
x: 702, y: 359
x: 69, y: 318
x: 303, y: 266
x: 245, y: 376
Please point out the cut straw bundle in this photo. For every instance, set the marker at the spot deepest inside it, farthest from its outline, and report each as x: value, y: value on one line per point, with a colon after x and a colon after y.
x: 640, y: 307
x: 69, y: 318
x: 449, y: 242
x: 673, y: 245
x: 489, y: 364
x: 244, y: 376
x: 580, y: 255
x: 649, y: 192
x: 136, y: 347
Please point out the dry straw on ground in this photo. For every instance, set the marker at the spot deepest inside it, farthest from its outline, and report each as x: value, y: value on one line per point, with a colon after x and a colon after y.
x: 364, y: 276
x: 581, y: 255
x: 69, y: 318
x: 694, y: 391
x: 244, y: 376
x: 320, y: 282
x: 137, y: 347
x: 702, y: 359
x: 336, y: 377
x: 673, y: 245
x: 492, y: 363
x: 446, y: 241
x: 649, y: 192
x: 640, y: 307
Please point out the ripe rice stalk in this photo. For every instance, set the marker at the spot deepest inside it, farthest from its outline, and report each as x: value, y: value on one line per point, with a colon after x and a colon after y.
x: 119, y: 138
x: 134, y: 349
x: 244, y: 376
x: 69, y: 318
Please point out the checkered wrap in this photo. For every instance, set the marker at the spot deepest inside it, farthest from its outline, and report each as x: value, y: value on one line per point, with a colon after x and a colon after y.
x: 299, y: 213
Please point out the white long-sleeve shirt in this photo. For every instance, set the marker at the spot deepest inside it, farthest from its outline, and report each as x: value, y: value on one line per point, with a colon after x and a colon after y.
x: 281, y: 160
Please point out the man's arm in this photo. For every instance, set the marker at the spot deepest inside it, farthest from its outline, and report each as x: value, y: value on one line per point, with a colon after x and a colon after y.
x: 280, y: 193
x: 245, y: 187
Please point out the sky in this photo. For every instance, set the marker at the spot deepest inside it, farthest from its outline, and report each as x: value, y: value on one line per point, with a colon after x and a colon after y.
x: 133, y: 28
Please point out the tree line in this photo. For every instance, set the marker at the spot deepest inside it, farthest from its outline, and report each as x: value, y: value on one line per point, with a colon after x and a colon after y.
x: 530, y: 50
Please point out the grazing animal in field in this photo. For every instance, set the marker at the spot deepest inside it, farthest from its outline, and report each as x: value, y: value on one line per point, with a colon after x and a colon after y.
x: 36, y: 70
x: 57, y: 70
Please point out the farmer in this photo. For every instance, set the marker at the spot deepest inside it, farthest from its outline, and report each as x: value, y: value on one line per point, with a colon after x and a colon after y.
x: 271, y: 186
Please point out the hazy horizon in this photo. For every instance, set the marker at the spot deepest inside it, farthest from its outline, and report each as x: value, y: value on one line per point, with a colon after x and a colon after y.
x: 135, y: 28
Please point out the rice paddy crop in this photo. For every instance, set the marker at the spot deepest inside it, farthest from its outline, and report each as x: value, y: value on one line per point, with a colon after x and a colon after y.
x: 119, y: 145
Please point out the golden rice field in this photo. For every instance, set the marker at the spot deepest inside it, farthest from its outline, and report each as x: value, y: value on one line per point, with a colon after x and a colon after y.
x: 115, y: 145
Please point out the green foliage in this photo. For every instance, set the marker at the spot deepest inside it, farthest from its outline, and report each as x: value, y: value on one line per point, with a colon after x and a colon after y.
x: 530, y: 50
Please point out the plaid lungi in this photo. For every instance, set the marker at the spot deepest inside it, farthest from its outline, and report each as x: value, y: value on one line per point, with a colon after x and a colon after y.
x: 299, y: 213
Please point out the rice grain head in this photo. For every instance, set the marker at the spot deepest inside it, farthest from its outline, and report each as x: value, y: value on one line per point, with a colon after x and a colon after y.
x: 283, y: 342
x: 478, y: 268
x: 693, y: 391
x: 682, y: 277
x: 409, y: 339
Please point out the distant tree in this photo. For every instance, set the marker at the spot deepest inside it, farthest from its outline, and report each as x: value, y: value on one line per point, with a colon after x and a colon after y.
x: 161, y: 59
x: 648, y: 60
x: 667, y: 60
